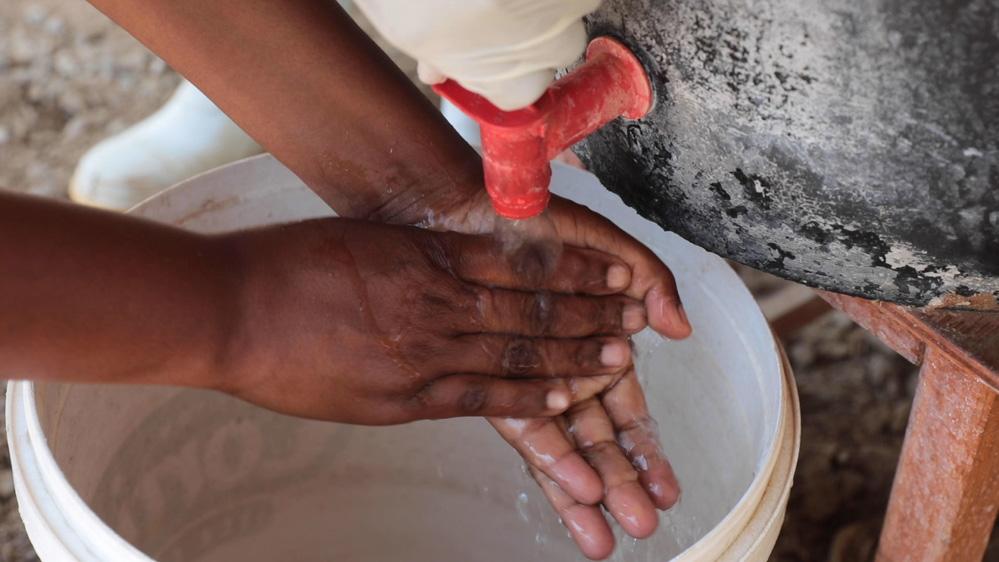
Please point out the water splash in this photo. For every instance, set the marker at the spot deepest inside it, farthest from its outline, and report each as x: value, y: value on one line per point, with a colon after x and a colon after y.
x: 532, y: 246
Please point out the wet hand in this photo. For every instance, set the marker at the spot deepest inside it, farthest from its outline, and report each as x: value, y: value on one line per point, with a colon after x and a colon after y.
x: 606, y: 447
x: 650, y: 280
x: 603, y: 450
x: 366, y: 323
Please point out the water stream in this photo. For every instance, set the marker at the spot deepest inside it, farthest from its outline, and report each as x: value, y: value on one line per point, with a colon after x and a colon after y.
x: 532, y: 246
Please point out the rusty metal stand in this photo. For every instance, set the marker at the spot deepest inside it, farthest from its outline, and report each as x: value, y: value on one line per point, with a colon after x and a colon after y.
x: 946, y: 491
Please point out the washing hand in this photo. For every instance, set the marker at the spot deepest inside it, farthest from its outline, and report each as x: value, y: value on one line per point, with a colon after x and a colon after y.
x: 367, y: 323
x: 436, y: 325
x: 315, y: 93
x: 605, y: 448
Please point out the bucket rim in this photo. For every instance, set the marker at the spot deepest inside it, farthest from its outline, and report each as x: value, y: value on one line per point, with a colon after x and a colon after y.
x: 51, y: 483
x: 45, y: 494
x: 772, y: 507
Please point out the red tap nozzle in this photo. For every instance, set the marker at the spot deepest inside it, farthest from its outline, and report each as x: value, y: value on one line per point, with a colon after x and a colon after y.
x: 517, y: 146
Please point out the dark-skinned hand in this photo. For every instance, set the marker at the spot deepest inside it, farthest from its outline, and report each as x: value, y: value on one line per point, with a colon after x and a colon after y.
x: 366, y: 323
x: 605, y: 449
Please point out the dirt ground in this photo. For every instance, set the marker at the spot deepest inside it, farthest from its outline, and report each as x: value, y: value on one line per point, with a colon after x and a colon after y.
x: 68, y: 78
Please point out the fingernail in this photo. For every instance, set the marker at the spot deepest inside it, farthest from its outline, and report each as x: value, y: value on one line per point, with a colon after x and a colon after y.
x: 614, y: 354
x: 557, y: 400
x: 618, y: 276
x: 634, y: 317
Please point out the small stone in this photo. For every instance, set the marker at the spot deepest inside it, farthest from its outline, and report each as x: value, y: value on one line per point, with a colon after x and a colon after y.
x: 127, y: 81
x: 133, y: 60
x: 22, y: 49
x: 66, y: 63
x: 4, y: 135
x: 34, y: 14
x: 157, y: 65
x: 54, y: 25
x: 21, y: 121
x: 72, y: 102
x: 75, y: 127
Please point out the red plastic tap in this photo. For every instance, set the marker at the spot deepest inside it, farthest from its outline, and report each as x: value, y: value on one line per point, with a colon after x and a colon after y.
x: 517, y: 146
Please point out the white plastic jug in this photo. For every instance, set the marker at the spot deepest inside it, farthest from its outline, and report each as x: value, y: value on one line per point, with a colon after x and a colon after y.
x: 133, y: 473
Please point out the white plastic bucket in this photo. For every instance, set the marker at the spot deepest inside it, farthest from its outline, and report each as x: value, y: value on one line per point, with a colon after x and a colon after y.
x: 136, y: 473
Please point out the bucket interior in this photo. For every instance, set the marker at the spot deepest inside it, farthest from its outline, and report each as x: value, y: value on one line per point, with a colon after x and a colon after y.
x: 187, y: 475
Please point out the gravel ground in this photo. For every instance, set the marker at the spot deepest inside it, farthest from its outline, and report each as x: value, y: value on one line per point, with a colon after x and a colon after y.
x: 68, y: 78
x: 855, y: 397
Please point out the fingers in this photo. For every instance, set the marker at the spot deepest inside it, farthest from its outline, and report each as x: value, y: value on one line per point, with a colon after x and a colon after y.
x: 501, y: 311
x: 483, y: 261
x: 480, y: 395
x: 546, y: 447
x: 624, y: 496
x: 639, y: 437
x: 651, y: 281
x: 640, y: 442
x: 586, y: 523
x: 584, y: 388
x: 516, y: 357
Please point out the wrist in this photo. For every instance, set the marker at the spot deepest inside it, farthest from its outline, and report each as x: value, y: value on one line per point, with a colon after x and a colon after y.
x: 222, y: 355
x: 401, y: 181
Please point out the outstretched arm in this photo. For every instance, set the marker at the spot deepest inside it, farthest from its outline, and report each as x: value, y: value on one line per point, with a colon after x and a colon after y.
x: 271, y: 315
x: 307, y: 84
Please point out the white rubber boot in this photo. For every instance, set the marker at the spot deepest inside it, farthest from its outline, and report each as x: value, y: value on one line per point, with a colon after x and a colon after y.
x: 185, y: 137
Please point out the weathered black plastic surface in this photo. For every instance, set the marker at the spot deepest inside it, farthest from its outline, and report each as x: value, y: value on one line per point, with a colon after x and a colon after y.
x: 851, y: 145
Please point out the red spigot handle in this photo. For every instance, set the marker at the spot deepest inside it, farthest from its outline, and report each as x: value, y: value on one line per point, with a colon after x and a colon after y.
x: 517, y: 146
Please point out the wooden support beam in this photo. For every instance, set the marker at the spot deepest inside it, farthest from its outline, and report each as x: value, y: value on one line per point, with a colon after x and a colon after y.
x: 946, y: 490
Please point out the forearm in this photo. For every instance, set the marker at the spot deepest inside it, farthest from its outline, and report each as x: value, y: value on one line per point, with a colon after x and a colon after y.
x: 91, y: 296
x: 307, y: 84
